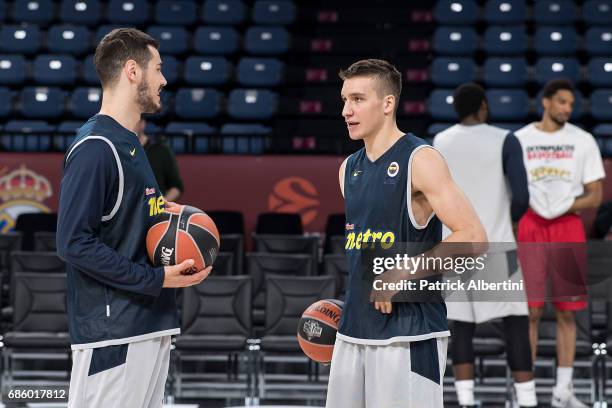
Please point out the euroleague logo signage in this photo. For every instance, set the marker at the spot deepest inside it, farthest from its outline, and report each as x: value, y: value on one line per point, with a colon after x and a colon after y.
x: 295, y: 195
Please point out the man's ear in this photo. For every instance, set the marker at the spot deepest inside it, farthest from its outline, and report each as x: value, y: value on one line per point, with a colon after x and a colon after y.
x: 389, y: 104
x: 545, y: 103
x: 131, y: 70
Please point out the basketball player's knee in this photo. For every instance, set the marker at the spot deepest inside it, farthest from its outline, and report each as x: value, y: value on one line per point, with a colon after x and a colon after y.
x: 535, y: 314
x: 565, y: 317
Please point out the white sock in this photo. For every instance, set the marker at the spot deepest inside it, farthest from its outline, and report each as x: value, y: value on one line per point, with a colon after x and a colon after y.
x: 564, y: 377
x: 465, y: 392
x: 526, y: 393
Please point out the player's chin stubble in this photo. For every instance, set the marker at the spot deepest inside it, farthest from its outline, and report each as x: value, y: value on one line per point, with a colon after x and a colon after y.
x: 144, y: 100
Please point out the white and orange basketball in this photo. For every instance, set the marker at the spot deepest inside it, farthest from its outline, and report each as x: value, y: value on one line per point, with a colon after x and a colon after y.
x: 181, y: 233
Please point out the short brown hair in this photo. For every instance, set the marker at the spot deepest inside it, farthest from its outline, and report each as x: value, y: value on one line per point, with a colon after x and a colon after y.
x: 119, y: 46
x: 386, y: 73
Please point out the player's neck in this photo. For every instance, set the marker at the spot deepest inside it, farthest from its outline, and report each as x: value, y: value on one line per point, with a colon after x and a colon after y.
x: 121, y: 108
x: 382, y: 141
x: 548, y: 125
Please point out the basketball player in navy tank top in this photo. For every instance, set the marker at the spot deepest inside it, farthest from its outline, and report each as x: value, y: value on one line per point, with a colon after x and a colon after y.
x: 391, y: 355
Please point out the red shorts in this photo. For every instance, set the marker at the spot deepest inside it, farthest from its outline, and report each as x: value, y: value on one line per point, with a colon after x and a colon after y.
x: 553, y: 258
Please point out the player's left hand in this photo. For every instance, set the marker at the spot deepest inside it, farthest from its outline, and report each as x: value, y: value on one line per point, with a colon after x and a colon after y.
x: 383, y: 307
x: 169, y: 204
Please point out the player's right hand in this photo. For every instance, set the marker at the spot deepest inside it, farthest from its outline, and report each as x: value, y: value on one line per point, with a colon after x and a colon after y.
x: 176, y: 277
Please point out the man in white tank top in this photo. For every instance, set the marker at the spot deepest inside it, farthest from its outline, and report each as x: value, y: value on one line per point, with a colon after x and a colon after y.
x: 486, y: 163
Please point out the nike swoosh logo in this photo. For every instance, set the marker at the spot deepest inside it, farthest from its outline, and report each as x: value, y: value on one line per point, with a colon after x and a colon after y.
x: 356, y: 173
x: 133, y: 152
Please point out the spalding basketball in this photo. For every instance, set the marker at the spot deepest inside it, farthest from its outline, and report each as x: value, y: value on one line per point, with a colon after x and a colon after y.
x: 317, y: 329
x: 181, y: 233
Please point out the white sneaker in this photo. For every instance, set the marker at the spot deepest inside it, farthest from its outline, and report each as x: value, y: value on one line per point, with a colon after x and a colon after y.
x: 565, y: 398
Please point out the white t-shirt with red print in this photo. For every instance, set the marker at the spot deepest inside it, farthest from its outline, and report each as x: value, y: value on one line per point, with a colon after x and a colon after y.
x: 558, y: 165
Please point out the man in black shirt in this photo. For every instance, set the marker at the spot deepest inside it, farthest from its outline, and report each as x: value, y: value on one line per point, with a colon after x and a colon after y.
x: 163, y: 162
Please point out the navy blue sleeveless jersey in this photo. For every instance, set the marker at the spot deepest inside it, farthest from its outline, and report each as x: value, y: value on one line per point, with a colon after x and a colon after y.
x: 108, y: 200
x: 378, y: 209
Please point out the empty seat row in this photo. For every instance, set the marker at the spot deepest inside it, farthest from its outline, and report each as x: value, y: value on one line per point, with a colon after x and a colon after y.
x: 515, y: 11
x: 514, y: 71
x: 514, y: 104
x: 60, y: 69
x: 258, y: 40
x: 513, y: 40
x: 188, y: 103
x: 178, y: 12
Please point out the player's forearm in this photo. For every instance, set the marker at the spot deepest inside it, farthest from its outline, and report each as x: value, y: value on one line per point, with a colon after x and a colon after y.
x: 86, y: 253
x: 587, y: 201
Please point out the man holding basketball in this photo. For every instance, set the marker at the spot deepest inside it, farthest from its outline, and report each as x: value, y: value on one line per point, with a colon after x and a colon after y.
x: 121, y: 310
x: 391, y: 355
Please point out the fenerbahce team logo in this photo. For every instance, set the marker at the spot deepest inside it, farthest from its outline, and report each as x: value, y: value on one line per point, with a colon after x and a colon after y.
x: 21, y: 191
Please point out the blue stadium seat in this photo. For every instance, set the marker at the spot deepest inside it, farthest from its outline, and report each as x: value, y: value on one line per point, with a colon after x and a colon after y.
x: 65, y: 134
x: 548, y: 68
x: 223, y: 12
x: 242, y: 138
x: 180, y: 133
x: 175, y: 12
x: 42, y: 102
x: 440, y: 105
x: 275, y: 12
x: 215, y: 40
x: 28, y: 135
x: 197, y: 103
x: 554, y: 11
x: 266, y: 40
x: 13, y: 69
x: 456, y: 12
x: 69, y: 126
x: 68, y: 39
x: 104, y: 29
x: 599, y: 72
x: 502, y: 72
x: 170, y: 68
x: 33, y: 11
x: 172, y: 40
x: 556, y: 40
x: 455, y: 40
x: 436, y: 128
x: 85, y: 102
x: 598, y: 41
x: 258, y: 104
x: 6, y: 102
x: 449, y: 71
x: 507, y: 104
x: 20, y: 39
x: 505, y: 12
x: 2, y: 10
x: 189, y: 128
x: 86, y: 12
x: 54, y: 69
x: 601, y: 104
x: 597, y: 12
x: 603, y: 130
x: 259, y: 71
x: 505, y: 40
x: 90, y: 76
x: 134, y: 12
x: 576, y: 112
x: 206, y: 70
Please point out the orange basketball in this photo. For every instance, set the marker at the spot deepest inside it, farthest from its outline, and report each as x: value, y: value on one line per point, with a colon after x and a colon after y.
x: 317, y: 329
x: 181, y: 233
